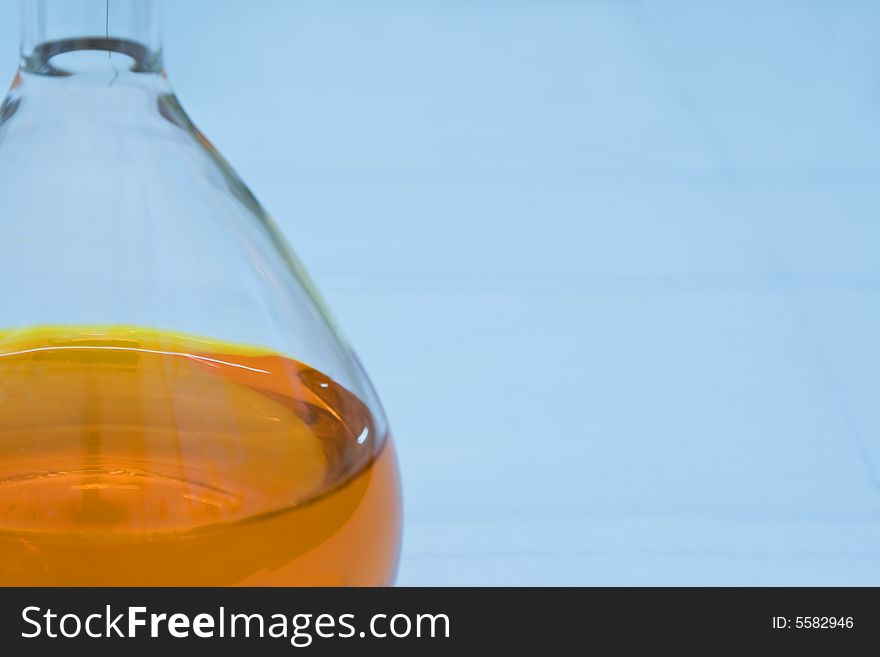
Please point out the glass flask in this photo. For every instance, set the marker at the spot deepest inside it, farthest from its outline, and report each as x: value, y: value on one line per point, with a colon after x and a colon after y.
x: 176, y: 406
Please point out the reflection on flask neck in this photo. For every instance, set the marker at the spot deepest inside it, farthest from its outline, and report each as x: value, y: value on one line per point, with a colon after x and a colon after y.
x: 62, y: 38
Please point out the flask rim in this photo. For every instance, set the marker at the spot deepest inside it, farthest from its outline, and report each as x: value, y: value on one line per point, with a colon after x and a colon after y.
x: 39, y: 60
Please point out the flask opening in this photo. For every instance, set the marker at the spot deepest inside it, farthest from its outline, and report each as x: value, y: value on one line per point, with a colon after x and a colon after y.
x: 48, y: 58
x: 63, y: 37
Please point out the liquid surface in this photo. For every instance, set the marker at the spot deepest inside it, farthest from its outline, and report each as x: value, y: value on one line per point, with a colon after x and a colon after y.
x: 134, y: 457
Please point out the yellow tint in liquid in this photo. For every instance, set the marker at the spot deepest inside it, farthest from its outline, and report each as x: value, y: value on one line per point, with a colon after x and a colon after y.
x: 136, y: 457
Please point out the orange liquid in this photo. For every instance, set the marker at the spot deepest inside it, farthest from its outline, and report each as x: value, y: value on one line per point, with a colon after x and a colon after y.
x: 131, y: 457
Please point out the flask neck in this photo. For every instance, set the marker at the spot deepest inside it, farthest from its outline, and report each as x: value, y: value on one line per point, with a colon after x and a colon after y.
x: 68, y: 37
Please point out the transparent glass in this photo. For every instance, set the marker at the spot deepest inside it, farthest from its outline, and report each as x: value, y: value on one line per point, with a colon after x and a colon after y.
x: 176, y: 405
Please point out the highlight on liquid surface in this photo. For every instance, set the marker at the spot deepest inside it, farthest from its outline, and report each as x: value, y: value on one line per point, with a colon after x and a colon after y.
x: 136, y: 457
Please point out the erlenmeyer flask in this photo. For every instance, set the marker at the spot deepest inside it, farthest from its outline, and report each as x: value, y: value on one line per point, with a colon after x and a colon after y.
x: 176, y: 408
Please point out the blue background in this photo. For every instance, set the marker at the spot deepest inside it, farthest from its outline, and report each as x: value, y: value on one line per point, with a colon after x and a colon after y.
x: 613, y: 266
